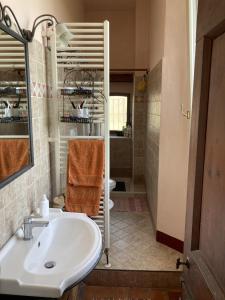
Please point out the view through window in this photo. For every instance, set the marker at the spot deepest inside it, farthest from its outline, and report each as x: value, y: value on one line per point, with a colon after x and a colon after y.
x: 118, y: 112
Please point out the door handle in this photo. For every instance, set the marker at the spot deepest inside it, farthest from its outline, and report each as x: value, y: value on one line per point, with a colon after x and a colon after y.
x: 182, y: 263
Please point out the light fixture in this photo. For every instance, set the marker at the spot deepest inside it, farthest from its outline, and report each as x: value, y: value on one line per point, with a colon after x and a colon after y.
x: 63, y: 35
x: 62, y: 32
x: 29, y: 35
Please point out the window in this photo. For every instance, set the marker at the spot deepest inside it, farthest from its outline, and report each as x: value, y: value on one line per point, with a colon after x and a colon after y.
x: 118, y: 112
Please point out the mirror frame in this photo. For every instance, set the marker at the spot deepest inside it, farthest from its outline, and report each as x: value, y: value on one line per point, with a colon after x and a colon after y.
x: 28, y: 90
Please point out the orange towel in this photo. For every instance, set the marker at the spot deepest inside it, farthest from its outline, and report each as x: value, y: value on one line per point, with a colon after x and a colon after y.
x: 84, y: 176
x: 14, y: 155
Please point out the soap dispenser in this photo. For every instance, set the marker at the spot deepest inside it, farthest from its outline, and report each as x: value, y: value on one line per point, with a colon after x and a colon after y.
x: 44, y: 207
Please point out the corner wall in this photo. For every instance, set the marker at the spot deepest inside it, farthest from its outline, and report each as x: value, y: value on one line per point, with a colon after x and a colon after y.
x: 174, y: 133
x: 169, y: 43
x: 153, y: 112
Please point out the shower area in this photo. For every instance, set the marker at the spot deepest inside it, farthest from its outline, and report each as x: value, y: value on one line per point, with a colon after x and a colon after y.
x: 127, y: 131
x: 134, y: 125
x: 133, y: 152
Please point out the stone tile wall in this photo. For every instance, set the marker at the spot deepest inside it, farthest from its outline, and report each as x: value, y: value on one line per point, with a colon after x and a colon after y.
x: 22, y: 195
x: 139, y: 120
x: 152, y: 138
x: 121, y: 157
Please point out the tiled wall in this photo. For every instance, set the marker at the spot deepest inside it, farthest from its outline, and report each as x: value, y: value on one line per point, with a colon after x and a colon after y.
x: 121, y: 157
x: 21, y: 196
x: 121, y: 149
x: 152, y: 137
x: 139, y: 120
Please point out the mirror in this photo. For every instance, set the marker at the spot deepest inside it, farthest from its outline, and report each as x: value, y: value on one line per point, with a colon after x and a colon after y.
x: 16, y: 153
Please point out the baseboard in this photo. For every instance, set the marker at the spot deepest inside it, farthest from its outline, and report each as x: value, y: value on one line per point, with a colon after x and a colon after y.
x: 170, y: 241
x: 138, y: 279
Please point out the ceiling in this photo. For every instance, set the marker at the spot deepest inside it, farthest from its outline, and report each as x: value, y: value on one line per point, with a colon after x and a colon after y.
x: 109, y: 4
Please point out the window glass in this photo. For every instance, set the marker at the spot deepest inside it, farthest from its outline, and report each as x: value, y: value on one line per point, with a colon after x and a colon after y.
x: 118, y: 112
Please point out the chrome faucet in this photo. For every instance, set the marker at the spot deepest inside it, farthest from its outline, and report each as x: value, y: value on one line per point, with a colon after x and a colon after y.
x: 28, y: 225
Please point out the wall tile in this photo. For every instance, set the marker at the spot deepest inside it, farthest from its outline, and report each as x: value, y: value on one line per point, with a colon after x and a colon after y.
x: 22, y: 196
x: 139, y: 128
x: 152, y: 137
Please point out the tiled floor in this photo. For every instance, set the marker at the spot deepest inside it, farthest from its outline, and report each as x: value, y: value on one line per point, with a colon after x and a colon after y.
x: 133, y: 244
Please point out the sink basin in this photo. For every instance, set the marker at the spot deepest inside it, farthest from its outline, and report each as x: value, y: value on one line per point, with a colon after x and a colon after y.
x: 57, y: 257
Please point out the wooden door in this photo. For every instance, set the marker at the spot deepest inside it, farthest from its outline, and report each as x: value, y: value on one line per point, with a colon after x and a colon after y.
x: 205, y: 228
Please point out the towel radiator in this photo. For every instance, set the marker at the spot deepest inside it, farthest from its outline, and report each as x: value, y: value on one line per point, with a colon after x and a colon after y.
x: 87, y: 52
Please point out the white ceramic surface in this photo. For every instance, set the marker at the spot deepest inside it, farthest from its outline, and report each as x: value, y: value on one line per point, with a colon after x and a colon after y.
x: 71, y: 240
x: 111, y: 204
x: 112, y: 184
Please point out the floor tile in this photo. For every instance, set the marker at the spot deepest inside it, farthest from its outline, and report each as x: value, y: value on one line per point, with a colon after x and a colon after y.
x: 134, y: 247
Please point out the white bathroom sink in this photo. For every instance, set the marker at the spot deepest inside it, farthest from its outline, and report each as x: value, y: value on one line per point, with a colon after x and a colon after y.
x: 70, y: 245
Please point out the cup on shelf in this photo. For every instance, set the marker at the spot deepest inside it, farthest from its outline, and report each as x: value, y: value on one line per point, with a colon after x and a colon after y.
x: 78, y: 113
x: 85, y: 113
x: 73, y: 132
x: 81, y: 112
x: 7, y: 112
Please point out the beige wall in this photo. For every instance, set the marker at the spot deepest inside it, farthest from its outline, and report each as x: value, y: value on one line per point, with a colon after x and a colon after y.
x: 157, y: 31
x: 174, y: 134
x: 122, y: 35
x: 169, y: 42
x: 22, y: 195
x: 26, y: 11
x: 129, y: 32
x: 142, y: 29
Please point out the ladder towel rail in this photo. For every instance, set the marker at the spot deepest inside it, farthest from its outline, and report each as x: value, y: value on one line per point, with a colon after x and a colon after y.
x: 87, y: 52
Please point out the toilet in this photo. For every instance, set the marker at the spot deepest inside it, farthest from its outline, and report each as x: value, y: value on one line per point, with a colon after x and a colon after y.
x: 111, y: 204
x: 112, y: 185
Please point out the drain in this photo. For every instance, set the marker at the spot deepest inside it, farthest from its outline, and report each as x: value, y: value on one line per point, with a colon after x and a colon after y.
x: 50, y: 264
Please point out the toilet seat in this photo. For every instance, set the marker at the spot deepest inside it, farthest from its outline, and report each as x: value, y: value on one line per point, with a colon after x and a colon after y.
x: 112, y: 184
x: 111, y: 204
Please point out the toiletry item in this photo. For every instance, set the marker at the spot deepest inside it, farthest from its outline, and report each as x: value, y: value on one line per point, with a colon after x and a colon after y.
x: 8, y: 110
x: 44, y: 207
x: 85, y: 113
x: 129, y: 131
x: 125, y: 132
x: 19, y: 234
x: 78, y: 113
x: 73, y: 132
x: 36, y: 212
